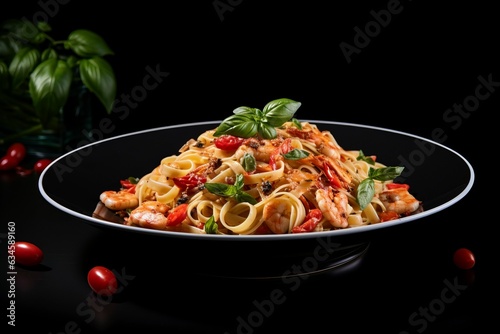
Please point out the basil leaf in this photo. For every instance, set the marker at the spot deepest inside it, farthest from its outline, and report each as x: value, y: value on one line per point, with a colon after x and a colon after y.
x: 248, y: 162
x: 245, y: 197
x: 43, y: 26
x: 385, y: 173
x: 239, y: 125
x: 366, y: 191
x: 297, y: 123
x: 366, y: 188
x: 22, y: 65
x: 49, y: 88
x: 4, y: 75
x: 49, y: 53
x: 39, y: 38
x: 98, y: 76
x: 133, y: 180
x: 296, y: 154
x: 72, y: 61
x: 279, y: 111
x: 227, y: 190
x: 239, y: 183
x: 86, y: 43
x: 211, y: 226
x: 221, y: 189
x: 246, y: 111
x: 361, y: 156
x: 266, y: 131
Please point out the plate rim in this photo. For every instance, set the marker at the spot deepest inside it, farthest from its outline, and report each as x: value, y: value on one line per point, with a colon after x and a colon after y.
x: 311, y: 235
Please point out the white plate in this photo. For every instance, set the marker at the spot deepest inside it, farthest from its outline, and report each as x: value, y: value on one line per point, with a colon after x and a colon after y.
x: 438, y: 176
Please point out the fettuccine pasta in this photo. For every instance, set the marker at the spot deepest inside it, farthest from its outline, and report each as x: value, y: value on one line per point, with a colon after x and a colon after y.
x: 299, y: 181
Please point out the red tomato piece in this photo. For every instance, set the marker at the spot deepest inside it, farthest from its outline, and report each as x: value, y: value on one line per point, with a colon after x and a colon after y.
x: 397, y: 185
x: 331, y: 175
x: 41, y: 164
x: 189, y: 180
x: 126, y: 184
x: 102, y: 280
x: 27, y: 254
x: 228, y: 142
x: 177, y: 215
x: 310, y: 222
x: 463, y: 258
x: 388, y: 215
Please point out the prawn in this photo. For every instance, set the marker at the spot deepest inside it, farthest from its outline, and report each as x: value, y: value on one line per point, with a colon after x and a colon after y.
x: 323, y: 143
x: 333, y: 206
x: 399, y: 200
x: 263, y: 150
x: 276, y: 214
x: 150, y: 214
x: 119, y: 200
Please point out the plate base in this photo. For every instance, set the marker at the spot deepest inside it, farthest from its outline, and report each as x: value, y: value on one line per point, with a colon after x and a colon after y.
x: 309, y: 265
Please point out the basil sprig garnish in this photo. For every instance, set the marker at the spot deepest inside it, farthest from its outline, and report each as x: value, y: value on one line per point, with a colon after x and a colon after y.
x: 247, y: 122
x: 366, y: 188
x: 235, y: 191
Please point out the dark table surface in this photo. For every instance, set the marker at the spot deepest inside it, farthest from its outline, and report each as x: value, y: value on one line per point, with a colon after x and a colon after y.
x: 403, y: 282
x: 412, y: 75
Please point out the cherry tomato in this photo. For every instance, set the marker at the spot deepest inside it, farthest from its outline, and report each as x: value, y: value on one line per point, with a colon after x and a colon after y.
x: 13, y: 157
x: 464, y: 258
x: 27, y: 253
x: 228, y: 142
x: 17, y: 151
x: 177, y: 215
x: 102, y: 280
x: 7, y: 163
x: 41, y: 164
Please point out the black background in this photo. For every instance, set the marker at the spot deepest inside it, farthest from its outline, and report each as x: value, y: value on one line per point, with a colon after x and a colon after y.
x: 427, y: 59
x: 246, y: 53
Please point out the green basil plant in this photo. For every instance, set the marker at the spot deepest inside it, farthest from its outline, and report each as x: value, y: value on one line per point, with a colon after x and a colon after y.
x: 37, y: 72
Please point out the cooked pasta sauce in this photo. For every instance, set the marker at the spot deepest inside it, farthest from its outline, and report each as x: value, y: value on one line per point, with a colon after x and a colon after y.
x: 251, y: 178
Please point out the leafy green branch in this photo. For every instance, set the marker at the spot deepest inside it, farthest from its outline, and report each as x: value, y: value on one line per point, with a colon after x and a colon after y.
x: 38, y: 72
